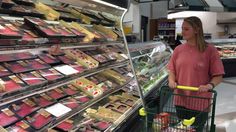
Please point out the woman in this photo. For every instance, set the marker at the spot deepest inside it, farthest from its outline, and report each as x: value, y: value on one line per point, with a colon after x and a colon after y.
x: 195, y: 63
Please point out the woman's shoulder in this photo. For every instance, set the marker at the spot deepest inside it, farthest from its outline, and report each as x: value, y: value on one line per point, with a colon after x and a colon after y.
x: 211, y: 46
x: 180, y: 47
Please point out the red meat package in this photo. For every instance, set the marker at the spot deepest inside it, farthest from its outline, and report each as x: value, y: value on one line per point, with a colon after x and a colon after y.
x: 56, y: 93
x: 50, y: 74
x: 37, y: 64
x: 100, y: 58
x: 7, y: 117
x: 70, y: 102
x: 70, y: 89
x: 7, y: 57
x: 18, y: 66
x: 20, y: 126
x: 10, y: 84
x: 65, y: 59
x: 24, y: 107
x: 7, y: 30
x: 93, y: 125
x: 65, y: 32
x: 24, y: 55
x: 78, y: 67
x: 49, y: 31
x: 4, y: 71
x: 39, y: 119
x: 81, y: 98
x: 66, y: 125
x: 48, y: 58
x: 32, y: 78
x: 43, y: 100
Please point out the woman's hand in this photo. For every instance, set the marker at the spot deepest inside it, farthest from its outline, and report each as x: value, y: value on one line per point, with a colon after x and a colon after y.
x: 205, y: 88
x: 172, y: 84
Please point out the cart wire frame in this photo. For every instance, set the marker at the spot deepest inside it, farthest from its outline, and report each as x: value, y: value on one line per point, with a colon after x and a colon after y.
x: 172, y: 122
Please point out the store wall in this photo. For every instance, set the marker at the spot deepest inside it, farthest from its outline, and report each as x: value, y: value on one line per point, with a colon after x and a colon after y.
x: 208, y: 20
x: 228, y: 16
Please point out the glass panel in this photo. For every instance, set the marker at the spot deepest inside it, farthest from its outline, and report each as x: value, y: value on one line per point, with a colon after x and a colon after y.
x: 149, y: 61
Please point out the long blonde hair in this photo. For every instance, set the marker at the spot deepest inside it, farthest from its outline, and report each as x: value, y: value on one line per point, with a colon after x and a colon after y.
x: 196, y: 23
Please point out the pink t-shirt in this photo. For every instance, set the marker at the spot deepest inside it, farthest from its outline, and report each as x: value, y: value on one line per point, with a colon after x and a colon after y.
x: 194, y: 68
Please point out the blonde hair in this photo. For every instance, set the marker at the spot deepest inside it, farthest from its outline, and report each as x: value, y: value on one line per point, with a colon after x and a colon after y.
x: 196, y: 23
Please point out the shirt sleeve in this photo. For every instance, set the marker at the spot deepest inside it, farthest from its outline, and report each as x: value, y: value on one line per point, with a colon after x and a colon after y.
x: 216, y: 65
x: 171, y: 64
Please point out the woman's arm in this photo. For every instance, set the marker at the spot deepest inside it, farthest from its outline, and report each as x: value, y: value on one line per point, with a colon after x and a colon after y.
x: 171, y: 78
x: 214, y: 82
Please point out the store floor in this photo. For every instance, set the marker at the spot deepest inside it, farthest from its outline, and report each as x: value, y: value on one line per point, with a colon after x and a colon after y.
x: 225, y: 107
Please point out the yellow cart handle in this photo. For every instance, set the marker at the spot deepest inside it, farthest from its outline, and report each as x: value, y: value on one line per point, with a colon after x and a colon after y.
x: 187, y: 88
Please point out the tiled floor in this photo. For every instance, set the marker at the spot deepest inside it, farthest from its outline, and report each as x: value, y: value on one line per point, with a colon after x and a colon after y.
x: 226, y: 106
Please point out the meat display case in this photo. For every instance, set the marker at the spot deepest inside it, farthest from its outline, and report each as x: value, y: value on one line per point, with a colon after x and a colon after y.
x: 149, y: 62
x: 109, y: 81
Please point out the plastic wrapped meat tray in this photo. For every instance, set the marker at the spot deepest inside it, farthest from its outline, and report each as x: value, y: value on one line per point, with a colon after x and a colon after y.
x: 7, y: 117
x: 18, y: 66
x: 43, y: 100
x: 32, y: 78
x: 51, y: 74
x: 39, y: 119
x: 24, y: 107
x: 56, y: 93
x: 10, y: 84
x: 38, y: 64
x: 4, y: 71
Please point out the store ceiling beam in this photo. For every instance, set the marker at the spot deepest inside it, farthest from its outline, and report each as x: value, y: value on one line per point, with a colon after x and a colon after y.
x: 230, y: 5
x: 215, y: 5
x: 196, y: 5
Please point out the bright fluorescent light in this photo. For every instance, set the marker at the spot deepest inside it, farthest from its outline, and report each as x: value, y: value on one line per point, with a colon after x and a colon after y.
x: 108, y: 4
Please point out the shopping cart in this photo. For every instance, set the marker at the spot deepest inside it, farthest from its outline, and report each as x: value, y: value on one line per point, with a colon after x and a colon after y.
x: 169, y: 117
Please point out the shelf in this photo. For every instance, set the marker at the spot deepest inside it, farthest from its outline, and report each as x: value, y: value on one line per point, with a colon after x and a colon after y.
x: 25, y: 94
x: 19, y: 48
x: 166, y: 29
x: 93, y: 101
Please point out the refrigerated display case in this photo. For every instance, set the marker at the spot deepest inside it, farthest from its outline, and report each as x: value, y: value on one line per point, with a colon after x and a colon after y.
x: 227, y: 51
x: 149, y: 62
x: 69, y: 74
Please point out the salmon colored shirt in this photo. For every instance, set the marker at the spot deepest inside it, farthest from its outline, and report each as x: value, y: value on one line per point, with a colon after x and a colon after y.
x: 194, y: 68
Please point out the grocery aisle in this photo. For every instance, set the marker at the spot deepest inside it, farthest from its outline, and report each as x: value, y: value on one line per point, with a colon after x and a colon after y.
x: 226, y: 108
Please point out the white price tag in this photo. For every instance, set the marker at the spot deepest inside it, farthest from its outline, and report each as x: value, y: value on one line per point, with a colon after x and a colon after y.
x: 66, y: 70
x: 58, y: 109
